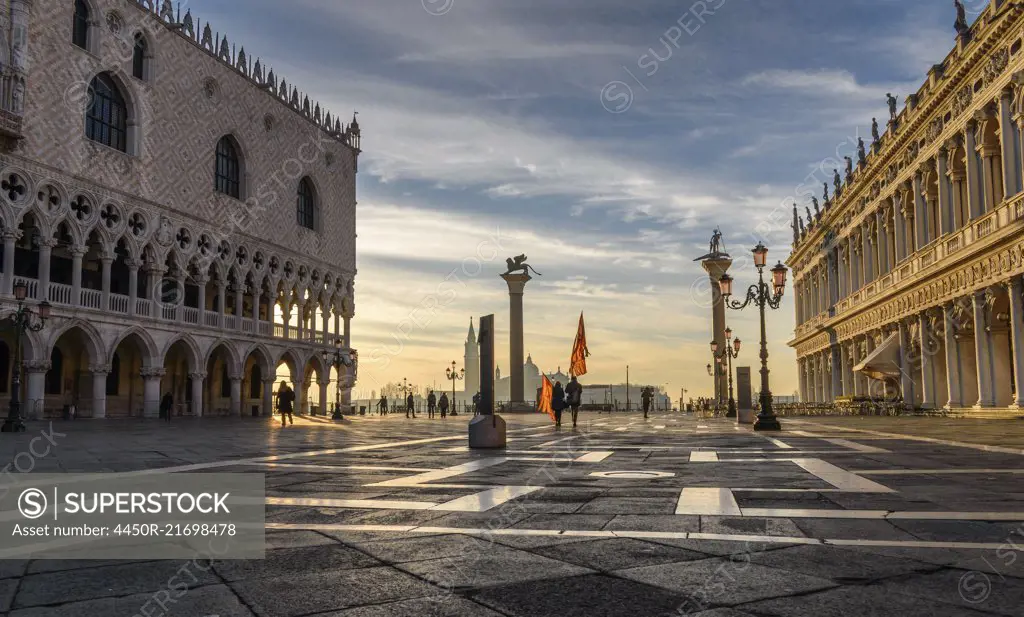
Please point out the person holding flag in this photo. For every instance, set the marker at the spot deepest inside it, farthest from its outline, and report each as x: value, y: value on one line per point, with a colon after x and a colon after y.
x: 544, y: 402
x: 573, y: 397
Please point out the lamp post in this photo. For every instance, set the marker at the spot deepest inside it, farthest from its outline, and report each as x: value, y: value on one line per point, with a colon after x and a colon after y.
x: 454, y: 376
x: 763, y: 297
x: 337, y: 359
x: 731, y: 351
x: 24, y: 320
x: 718, y: 371
x: 406, y: 388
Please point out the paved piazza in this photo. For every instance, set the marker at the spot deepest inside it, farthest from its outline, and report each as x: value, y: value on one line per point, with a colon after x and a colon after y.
x: 674, y: 515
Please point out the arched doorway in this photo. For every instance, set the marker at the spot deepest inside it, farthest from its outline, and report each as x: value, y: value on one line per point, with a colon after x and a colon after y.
x: 223, y: 382
x: 180, y: 377
x: 257, y: 383
x: 134, y: 389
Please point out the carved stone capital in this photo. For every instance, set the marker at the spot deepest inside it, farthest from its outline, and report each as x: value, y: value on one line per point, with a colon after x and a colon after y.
x: 152, y: 373
x: 36, y: 366
x: 100, y: 369
x: 198, y: 376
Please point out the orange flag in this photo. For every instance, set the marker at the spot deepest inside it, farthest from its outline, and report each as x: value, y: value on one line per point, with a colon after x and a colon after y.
x: 578, y: 362
x: 546, y: 390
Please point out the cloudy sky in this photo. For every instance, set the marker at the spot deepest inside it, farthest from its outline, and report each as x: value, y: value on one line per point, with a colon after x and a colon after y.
x: 603, y: 138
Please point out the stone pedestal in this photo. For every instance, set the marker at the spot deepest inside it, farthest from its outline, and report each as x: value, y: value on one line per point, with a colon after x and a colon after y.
x: 746, y: 416
x: 717, y: 264
x: 487, y: 432
x: 516, y: 285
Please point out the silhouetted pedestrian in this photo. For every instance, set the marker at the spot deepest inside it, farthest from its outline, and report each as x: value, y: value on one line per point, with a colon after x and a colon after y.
x: 573, y: 397
x: 285, y: 398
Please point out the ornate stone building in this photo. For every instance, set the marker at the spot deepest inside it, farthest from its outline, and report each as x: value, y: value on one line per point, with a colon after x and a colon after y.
x: 187, y: 212
x: 908, y: 282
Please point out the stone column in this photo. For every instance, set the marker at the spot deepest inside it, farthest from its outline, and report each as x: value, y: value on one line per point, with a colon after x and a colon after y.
x: 198, y: 383
x: 133, y: 285
x: 844, y: 370
x: 882, y: 238
x: 945, y: 223
x: 516, y: 285
x: 716, y: 265
x: 77, y: 253
x: 156, y: 295
x: 151, y: 391
x: 105, y: 262
x: 841, y: 270
x: 45, y: 250
x: 326, y: 317
x: 975, y: 194
x: 337, y: 325
x: 286, y: 314
x: 1008, y: 145
x: 239, y: 305
x: 236, y: 392
x: 906, y: 355
x: 99, y: 389
x: 268, y: 397
x: 35, y: 389
x: 953, y: 367
x: 222, y: 301
x: 257, y: 298
x: 837, y: 371
x: 920, y: 213
x: 347, y: 336
x: 300, y: 320
x: 869, y: 263
x: 8, y: 281
x: 857, y: 358
x: 801, y: 373
x: 201, y: 282
x: 899, y: 228
x: 929, y: 379
x: 323, y: 383
x: 983, y: 351
x: 1016, y: 291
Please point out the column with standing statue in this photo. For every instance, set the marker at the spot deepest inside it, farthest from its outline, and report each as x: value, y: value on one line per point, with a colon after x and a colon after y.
x: 716, y: 263
x: 517, y: 276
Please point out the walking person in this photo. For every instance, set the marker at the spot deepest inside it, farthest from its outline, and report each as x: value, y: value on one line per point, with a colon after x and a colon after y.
x: 645, y: 397
x: 382, y: 405
x: 443, y: 404
x: 558, y: 403
x: 166, y: 405
x: 410, y: 406
x: 285, y: 398
x: 431, y: 404
x: 573, y: 397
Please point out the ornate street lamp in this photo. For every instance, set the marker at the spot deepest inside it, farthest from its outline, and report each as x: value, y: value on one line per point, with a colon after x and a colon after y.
x: 454, y: 376
x: 25, y: 320
x: 406, y: 388
x: 338, y: 358
x: 724, y: 358
x: 763, y: 297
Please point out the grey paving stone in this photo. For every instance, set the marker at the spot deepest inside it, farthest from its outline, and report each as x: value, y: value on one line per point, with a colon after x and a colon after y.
x: 291, y: 596
x: 724, y: 581
x: 497, y: 565
x: 577, y: 522
x: 202, y: 601
x: 617, y: 553
x: 7, y: 588
x: 867, y: 601
x: 974, y: 590
x: 653, y: 522
x: 289, y: 561
x: 12, y: 567
x: 840, y: 565
x: 450, y: 606
x: 107, y: 581
x: 421, y: 548
x: 581, y: 596
x: 295, y: 539
x: 629, y: 505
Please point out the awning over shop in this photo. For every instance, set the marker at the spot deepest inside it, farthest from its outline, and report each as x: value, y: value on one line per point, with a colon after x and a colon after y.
x: 884, y: 362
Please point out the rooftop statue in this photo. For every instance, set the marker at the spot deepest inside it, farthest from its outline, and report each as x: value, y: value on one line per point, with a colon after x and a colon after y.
x: 891, y: 100
x: 874, y: 131
x: 960, y: 25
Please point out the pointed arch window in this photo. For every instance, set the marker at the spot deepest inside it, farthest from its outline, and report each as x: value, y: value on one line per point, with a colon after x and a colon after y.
x: 106, y: 119
x: 80, y: 29
x: 229, y: 168
x: 306, y: 205
x: 139, y: 57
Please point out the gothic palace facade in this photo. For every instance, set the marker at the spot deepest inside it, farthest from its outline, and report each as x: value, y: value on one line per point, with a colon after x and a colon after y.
x: 908, y: 283
x: 187, y: 214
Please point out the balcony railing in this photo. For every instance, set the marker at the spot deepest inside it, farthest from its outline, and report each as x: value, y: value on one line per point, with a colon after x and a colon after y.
x: 61, y: 294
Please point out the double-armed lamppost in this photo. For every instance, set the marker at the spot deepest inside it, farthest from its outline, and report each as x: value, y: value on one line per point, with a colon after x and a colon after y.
x: 716, y: 372
x: 763, y: 297
x: 407, y: 388
x: 338, y: 359
x: 25, y: 320
x: 725, y: 357
x: 453, y: 376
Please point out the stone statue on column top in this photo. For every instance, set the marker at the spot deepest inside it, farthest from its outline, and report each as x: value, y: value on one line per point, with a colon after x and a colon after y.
x: 817, y: 211
x: 874, y: 131
x: 862, y: 156
x: 837, y: 182
x: 825, y: 193
x: 960, y: 25
x: 809, y: 217
x: 849, y: 168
